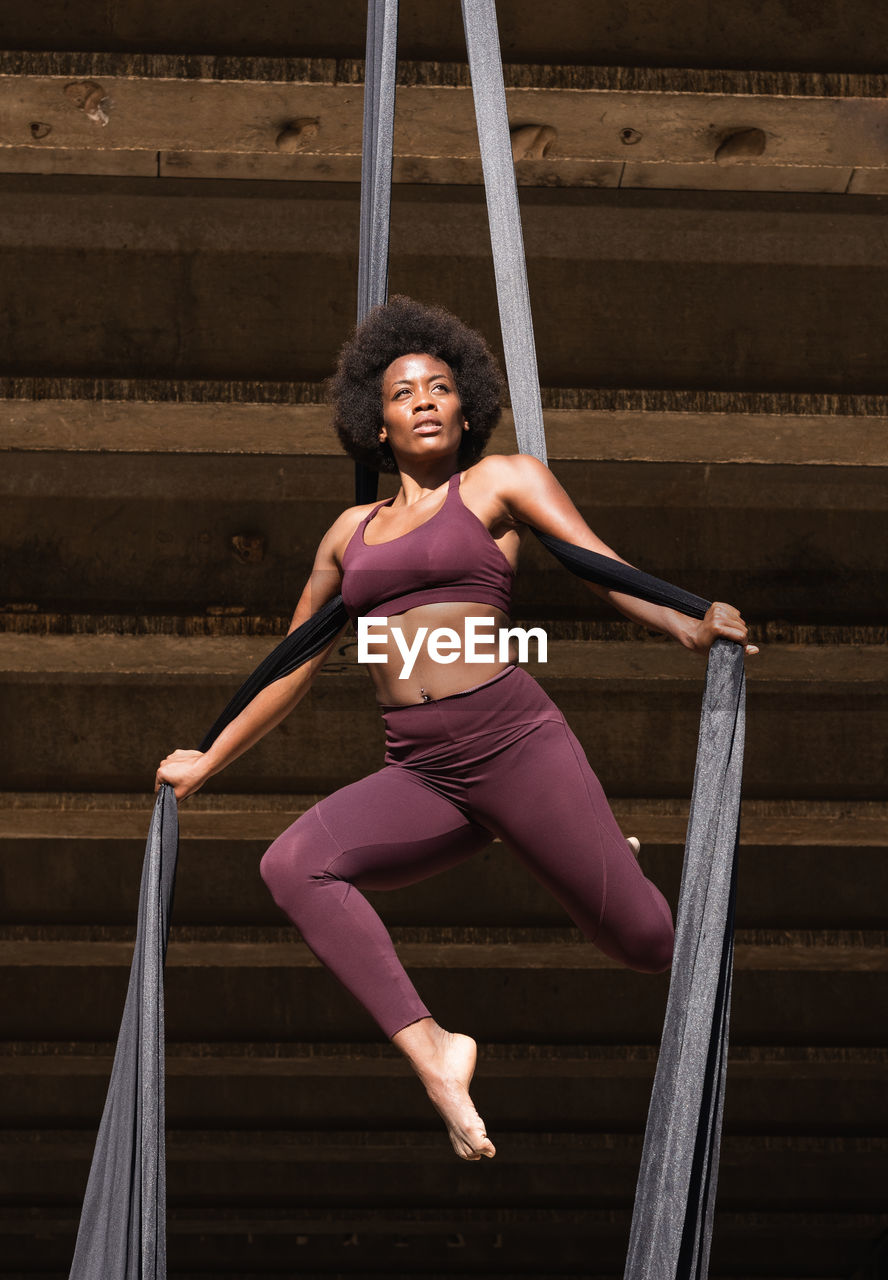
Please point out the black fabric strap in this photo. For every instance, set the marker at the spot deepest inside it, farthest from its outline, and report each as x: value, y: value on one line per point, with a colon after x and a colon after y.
x: 298, y: 647
x: 322, y: 627
x: 617, y: 576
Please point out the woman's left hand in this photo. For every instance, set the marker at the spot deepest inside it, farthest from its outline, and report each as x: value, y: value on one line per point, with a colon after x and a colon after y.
x: 720, y: 620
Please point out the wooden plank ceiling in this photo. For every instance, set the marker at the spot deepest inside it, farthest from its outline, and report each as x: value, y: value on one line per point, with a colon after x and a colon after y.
x: 704, y: 188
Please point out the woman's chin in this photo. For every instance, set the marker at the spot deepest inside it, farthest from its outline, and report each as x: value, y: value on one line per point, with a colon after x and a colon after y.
x: 426, y: 448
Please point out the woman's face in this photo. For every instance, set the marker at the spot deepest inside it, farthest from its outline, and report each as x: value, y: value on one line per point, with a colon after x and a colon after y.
x: 421, y: 411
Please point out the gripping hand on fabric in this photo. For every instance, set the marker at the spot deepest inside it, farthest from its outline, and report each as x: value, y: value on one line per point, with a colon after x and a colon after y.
x: 185, y: 771
x: 720, y: 620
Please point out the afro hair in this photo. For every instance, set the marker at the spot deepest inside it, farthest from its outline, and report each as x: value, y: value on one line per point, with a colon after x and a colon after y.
x: 402, y: 327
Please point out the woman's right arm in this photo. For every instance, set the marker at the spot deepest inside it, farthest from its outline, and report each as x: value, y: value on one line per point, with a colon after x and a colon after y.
x: 186, y: 771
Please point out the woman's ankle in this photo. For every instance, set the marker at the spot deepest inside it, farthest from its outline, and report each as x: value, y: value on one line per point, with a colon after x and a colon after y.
x: 421, y: 1043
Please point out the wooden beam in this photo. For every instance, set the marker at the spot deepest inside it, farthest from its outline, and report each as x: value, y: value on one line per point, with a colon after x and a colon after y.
x: 382, y: 1061
x: 637, y: 281
x: 634, y: 705
x: 810, y: 1244
x: 869, y: 182
x: 655, y: 175
x: 303, y: 117
x: 113, y: 817
x: 236, y: 1221
x: 698, y: 428
x: 766, y: 34
x: 459, y: 947
x: 326, y: 1147
x: 94, y: 163
x: 654, y: 227
x: 117, y: 660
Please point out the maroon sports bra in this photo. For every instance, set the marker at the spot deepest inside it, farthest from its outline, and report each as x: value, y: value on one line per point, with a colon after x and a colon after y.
x: 451, y: 557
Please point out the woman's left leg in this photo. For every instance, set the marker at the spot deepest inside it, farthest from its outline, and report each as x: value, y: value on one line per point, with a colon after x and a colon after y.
x: 542, y: 798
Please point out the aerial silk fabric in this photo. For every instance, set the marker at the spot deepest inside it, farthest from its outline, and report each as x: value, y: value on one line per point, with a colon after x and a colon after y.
x: 380, y: 69
x: 674, y: 1202
x: 675, y: 1197
x: 504, y: 218
x: 123, y: 1225
x: 122, y: 1234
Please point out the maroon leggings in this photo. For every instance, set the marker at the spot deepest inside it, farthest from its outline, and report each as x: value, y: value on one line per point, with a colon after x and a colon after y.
x: 497, y: 760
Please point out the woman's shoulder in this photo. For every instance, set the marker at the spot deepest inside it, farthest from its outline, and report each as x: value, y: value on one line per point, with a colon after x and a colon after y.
x: 522, y: 488
x: 497, y: 471
x: 354, y: 515
x: 344, y: 527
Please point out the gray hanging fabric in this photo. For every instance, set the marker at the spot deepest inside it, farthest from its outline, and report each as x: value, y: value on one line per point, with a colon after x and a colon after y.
x: 506, y: 240
x: 122, y: 1233
x: 377, y: 146
x: 376, y: 153
x: 672, y: 1219
x: 675, y: 1196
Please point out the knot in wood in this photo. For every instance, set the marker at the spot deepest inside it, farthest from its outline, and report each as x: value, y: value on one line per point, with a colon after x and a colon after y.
x: 297, y: 135
x: 89, y: 98
x: 531, y: 141
x: 740, y: 145
x: 248, y: 548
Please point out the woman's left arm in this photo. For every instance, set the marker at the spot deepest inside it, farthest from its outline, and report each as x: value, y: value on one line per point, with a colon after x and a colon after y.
x: 530, y: 493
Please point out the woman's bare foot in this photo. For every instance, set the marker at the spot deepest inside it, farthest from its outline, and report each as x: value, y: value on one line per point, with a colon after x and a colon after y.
x: 445, y: 1063
x: 634, y: 844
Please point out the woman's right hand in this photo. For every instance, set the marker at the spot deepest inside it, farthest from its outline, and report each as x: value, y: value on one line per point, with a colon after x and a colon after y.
x: 185, y: 771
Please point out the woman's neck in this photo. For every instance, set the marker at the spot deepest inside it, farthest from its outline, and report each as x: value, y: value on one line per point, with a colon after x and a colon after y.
x: 418, y: 482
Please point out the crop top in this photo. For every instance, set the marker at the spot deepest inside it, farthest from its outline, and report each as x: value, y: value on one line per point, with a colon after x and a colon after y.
x: 450, y: 557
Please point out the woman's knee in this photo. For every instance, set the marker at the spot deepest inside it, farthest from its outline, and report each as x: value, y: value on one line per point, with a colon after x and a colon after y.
x: 297, y: 859
x: 650, y: 948
x: 274, y: 867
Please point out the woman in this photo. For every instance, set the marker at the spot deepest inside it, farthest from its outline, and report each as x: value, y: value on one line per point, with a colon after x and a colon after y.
x: 475, y: 748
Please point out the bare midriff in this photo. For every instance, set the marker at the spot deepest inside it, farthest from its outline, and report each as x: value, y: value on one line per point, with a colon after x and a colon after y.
x: 431, y: 678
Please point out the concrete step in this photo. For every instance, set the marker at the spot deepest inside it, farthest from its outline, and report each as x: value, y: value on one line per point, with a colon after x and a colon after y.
x: 501, y: 984
x: 782, y: 515
x: 635, y: 706
x: 804, y: 864
x: 636, y: 278
x: 313, y: 1169
x: 462, y: 1240
x: 562, y: 1088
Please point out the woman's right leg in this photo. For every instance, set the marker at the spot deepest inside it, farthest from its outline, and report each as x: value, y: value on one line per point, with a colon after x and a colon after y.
x: 383, y: 832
